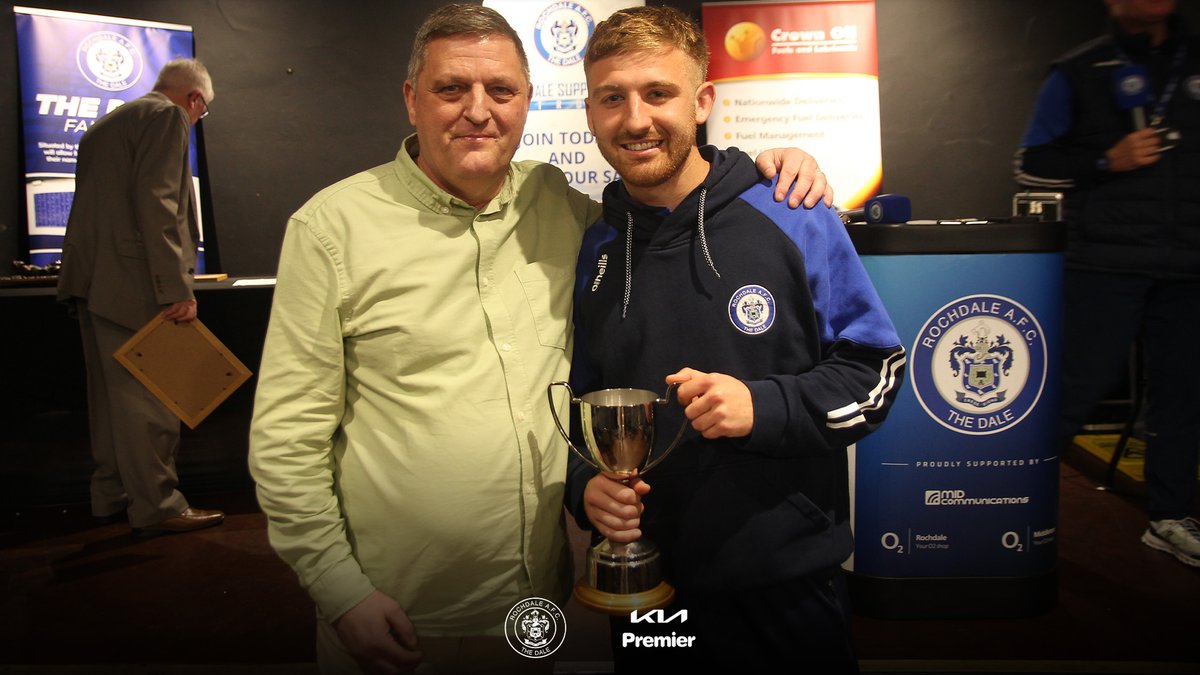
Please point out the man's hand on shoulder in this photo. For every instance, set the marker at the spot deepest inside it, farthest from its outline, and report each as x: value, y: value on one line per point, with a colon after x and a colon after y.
x: 379, y: 636
x: 798, y: 171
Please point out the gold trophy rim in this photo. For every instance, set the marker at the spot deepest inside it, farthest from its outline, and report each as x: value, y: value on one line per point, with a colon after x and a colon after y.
x: 621, y: 604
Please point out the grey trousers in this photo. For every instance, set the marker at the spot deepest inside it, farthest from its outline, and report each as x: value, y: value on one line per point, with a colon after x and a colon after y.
x: 134, y: 437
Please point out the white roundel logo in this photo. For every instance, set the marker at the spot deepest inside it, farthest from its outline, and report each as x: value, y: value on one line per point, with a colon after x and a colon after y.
x: 752, y: 309
x: 561, y: 33
x: 979, y: 364
x: 1133, y: 85
x: 535, y: 628
x: 1192, y: 87
x: 875, y: 212
x: 109, y: 60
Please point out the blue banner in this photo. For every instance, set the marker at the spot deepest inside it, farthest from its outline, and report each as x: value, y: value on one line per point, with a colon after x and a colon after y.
x: 75, y: 68
x: 962, y: 479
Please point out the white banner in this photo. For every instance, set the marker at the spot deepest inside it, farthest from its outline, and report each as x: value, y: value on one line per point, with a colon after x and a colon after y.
x: 555, y: 35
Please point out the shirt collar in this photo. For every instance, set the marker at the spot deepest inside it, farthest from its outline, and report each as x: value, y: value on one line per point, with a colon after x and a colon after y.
x: 433, y: 197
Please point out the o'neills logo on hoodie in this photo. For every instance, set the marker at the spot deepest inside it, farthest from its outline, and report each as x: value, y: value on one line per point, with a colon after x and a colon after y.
x: 601, y: 266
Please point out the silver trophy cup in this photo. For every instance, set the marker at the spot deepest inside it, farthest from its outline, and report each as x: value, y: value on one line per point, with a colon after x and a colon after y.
x: 618, y: 429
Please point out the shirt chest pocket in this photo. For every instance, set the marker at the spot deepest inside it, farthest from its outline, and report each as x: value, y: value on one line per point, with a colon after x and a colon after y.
x: 547, y: 288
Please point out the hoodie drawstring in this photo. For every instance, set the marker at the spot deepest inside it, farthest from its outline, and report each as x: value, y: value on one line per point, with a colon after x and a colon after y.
x: 703, y: 239
x: 628, y: 260
x: 629, y: 250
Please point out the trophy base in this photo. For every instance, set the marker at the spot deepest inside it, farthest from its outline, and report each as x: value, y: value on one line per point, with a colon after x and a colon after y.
x: 621, y: 604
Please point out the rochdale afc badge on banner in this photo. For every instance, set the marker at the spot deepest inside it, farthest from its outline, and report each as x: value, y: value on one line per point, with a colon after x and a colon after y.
x: 979, y: 364
x: 561, y: 33
x: 109, y: 60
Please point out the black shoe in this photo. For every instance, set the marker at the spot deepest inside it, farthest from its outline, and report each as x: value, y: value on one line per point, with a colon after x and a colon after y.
x: 116, y: 517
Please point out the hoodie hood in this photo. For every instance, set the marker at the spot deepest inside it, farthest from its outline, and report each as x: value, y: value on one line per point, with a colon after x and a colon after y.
x: 730, y: 173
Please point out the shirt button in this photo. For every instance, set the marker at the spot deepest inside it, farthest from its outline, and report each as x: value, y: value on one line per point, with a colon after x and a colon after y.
x: 445, y: 210
x: 506, y: 347
x: 520, y: 417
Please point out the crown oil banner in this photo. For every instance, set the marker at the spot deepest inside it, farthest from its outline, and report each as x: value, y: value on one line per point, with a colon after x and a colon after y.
x: 74, y: 68
x: 802, y: 74
x: 555, y: 37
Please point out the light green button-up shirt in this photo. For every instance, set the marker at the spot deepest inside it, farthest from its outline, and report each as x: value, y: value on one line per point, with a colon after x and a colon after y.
x: 402, y: 439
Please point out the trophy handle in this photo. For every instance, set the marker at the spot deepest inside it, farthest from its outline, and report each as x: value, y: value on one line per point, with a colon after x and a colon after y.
x: 558, y: 423
x: 666, y: 400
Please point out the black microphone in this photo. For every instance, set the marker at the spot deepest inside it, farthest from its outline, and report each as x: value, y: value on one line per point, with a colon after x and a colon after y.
x: 1131, y: 86
x: 881, y: 209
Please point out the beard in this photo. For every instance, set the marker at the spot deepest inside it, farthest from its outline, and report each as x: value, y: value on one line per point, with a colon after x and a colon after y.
x: 652, y: 172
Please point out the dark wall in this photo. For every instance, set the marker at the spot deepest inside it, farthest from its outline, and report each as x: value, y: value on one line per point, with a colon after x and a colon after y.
x: 309, y: 91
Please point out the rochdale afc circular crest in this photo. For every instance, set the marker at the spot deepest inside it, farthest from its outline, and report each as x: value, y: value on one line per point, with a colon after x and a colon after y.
x: 979, y: 364
x: 1192, y: 87
x: 561, y: 33
x: 109, y: 60
x: 752, y: 309
x: 1132, y: 85
x: 535, y: 628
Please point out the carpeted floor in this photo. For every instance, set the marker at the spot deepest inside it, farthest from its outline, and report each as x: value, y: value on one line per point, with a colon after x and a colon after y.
x: 79, y: 598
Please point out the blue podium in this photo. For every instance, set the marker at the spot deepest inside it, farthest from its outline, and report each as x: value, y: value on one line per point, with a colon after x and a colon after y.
x: 955, y: 496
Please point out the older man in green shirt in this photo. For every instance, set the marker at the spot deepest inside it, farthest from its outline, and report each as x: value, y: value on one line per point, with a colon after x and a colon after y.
x: 404, y: 453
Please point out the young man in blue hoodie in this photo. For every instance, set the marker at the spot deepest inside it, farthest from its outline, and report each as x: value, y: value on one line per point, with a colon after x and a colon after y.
x: 782, y: 351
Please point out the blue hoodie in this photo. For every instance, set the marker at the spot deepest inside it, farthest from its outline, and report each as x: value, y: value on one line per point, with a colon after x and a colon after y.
x: 733, y: 282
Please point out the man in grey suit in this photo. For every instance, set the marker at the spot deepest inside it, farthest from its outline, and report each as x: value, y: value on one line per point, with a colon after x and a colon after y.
x: 129, y: 254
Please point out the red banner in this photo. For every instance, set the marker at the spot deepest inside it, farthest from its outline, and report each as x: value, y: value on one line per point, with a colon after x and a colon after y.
x: 800, y: 74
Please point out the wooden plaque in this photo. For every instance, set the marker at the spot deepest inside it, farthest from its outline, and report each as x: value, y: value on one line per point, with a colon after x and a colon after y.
x: 184, y: 365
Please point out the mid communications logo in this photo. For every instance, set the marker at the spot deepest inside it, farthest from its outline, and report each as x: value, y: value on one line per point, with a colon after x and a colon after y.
x: 960, y: 498
x: 979, y: 364
x: 109, y: 60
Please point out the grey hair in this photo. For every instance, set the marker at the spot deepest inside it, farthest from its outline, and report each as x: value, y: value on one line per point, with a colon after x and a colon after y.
x: 462, y: 19
x: 185, y: 75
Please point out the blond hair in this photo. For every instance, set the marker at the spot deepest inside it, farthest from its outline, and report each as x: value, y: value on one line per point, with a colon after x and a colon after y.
x: 648, y: 29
